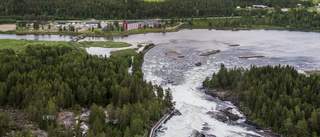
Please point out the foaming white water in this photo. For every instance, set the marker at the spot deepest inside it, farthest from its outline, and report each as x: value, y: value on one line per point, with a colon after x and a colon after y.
x: 192, y: 104
x: 191, y: 101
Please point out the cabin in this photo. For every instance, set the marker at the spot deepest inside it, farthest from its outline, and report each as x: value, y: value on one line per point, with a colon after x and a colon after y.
x: 284, y: 9
x: 130, y: 25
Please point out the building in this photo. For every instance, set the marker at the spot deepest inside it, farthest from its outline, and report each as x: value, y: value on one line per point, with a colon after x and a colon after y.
x: 150, y: 23
x: 92, y: 24
x: 238, y: 7
x: 270, y: 8
x: 130, y: 25
x: 104, y: 28
x: 103, y: 24
x: 259, y: 6
x: 284, y: 9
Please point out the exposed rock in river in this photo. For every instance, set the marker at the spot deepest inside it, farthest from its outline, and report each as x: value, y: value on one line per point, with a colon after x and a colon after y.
x: 247, y: 57
x: 196, y: 133
x: 180, y: 56
x: 172, y: 53
x: 224, y: 115
x: 234, y: 45
x: 223, y: 95
x: 210, y: 52
x: 198, y: 64
x: 170, y: 81
x: 176, y: 112
x: 174, y: 41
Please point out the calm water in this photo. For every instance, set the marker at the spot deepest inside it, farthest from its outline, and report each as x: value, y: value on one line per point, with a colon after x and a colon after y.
x: 299, y: 49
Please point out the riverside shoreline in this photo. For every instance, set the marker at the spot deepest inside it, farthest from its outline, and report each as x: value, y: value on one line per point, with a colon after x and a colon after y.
x: 179, y: 27
x: 224, y: 96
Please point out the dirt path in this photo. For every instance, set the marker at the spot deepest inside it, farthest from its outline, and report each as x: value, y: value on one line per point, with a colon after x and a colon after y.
x: 180, y: 23
x: 6, y: 27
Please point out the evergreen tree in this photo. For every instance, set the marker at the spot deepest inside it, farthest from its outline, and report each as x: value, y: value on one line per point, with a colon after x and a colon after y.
x: 99, y: 25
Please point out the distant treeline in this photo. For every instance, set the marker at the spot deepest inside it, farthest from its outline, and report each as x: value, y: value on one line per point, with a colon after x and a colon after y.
x: 293, y: 20
x: 129, y: 9
x: 4, y: 21
x: 46, y: 79
x: 278, y: 97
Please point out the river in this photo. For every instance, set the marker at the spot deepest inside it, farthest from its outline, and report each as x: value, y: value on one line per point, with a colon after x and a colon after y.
x: 299, y: 49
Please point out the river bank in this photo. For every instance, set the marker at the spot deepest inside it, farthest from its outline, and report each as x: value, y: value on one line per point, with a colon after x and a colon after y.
x: 111, y: 34
x: 234, y: 99
x: 97, y: 33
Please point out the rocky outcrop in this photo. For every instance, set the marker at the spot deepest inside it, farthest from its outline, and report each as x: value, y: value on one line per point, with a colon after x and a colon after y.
x: 247, y: 57
x: 172, y: 53
x: 223, y: 95
x: 210, y: 53
x: 224, y: 115
x: 234, y: 45
x: 67, y: 119
x: 198, y: 64
x: 196, y: 133
x: 176, y: 112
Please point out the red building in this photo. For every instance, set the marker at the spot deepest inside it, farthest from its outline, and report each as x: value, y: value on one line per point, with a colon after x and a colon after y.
x: 130, y: 25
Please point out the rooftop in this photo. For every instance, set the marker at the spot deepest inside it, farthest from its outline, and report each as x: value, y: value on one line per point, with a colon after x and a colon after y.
x: 132, y: 22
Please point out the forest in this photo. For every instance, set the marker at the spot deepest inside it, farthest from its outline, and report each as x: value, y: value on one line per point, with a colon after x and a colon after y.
x: 127, y: 9
x: 274, y: 96
x: 44, y: 80
x: 260, y: 19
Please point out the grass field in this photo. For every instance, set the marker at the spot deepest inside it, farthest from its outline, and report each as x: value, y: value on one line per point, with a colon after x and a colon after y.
x: 104, y: 44
x: 126, y: 52
x: 314, y: 1
x: 20, y: 45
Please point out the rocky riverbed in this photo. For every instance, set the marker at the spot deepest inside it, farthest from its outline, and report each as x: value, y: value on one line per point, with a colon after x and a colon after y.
x: 225, y: 115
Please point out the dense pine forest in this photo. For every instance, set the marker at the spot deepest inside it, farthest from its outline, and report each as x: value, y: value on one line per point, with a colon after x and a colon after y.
x: 277, y: 97
x: 44, y: 80
x: 128, y: 9
x: 260, y: 19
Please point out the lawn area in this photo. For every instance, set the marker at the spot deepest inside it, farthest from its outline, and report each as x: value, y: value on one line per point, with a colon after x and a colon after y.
x: 268, y: 27
x: 311, y: 9
x: 20, y: 45
x: 174, y: 24
x: 126, y: 52
x: 314, y: 1
x: 104, y: 44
